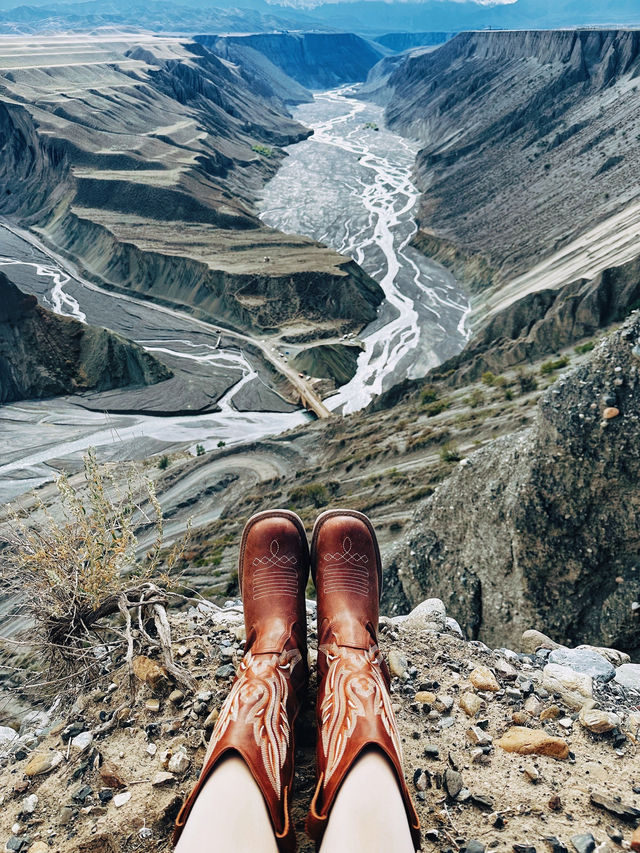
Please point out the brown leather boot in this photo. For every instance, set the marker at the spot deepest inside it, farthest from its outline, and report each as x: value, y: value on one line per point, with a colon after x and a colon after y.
x: 354, y: 706
x: 256, y: 720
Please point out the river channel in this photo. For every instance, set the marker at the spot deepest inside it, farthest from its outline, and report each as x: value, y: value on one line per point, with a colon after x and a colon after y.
x: 349, y: 185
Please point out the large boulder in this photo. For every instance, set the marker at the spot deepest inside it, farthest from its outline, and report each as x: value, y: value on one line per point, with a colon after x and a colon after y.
x: 542, y: 527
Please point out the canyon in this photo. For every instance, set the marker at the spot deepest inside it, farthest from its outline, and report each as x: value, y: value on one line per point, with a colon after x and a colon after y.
x: 172, y: 217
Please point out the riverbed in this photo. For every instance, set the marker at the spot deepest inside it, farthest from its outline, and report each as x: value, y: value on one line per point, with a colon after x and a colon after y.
x: 349, y: 185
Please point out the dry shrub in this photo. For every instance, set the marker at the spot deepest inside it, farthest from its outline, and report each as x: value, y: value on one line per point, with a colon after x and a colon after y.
x: 72, y: 568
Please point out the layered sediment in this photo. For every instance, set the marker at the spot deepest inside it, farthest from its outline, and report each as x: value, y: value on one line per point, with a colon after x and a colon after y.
x: 141, y: 159
x: 43, y: 354
x: 529, y: 141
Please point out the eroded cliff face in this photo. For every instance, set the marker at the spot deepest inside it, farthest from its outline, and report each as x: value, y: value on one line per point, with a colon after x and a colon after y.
x: 529, y: 140
x: 43, y: 354
x: 316, y: 60
x: 541, y: 527
x: 142, y: 160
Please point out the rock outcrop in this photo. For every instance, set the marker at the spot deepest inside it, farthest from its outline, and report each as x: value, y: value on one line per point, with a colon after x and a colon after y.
x: 497, y: 767
x: 541, y: 527
x: 529, y: 139
x: 43, y: 354
x: 545, y: 322
x: 316, y: 60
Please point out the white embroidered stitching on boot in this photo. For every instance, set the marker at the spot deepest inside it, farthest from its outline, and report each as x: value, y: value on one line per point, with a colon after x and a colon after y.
x: 276, y: 573
x: 346, y: 571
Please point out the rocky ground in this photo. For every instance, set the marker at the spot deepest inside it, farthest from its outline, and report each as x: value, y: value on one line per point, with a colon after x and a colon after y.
x: 504, y: 750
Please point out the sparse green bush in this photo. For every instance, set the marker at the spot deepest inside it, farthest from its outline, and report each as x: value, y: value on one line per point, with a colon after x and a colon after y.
x: 164, y: 462
x: 222, y: 444
x: 488, y: 378
x: 475, y: 398
x: 435, y: 408
x: 508, y: 394
x: 551, y: 366
x: 200, y: 450
x: 429, y: 394
x: 265, y: 150
x: 582, y: 349
x: 527, y: 381
x: 313, y: 493
x: 449, y: 453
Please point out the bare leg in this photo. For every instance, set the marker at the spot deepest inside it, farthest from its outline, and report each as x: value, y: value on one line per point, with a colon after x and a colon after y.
x: 368, y: 813
x: 229, y: 815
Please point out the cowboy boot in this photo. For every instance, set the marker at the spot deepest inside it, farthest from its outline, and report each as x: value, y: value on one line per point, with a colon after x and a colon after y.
x: 354, y: 707
x: 257, y: 718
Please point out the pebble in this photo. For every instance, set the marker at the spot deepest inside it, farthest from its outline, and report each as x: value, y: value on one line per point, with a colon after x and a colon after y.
x: 152, y: 705
x: 621, y: 810
x: 477, y: 736
x: 471, y: 703
x: 122, y: 798
x: 424, y: 697
x: 614, y: 656
x: 531, y: 773
x: 520, y: 718
x: 474, y: 846
x: 16, y: 844
x: 505, y: 669
x: 420, y: 780
x: 82, y: 741
x: 513, y: 693
x: 628, y: 675
x: 7, y: 736
x: 534, y: 640
x: 524, y: 848
x: 610, y: 412
x: 533, y: 706
x: 43, y: 763
x: 556, y: 845
x: 566, y: 723
x: 584, y: 843
x: 162, y: 778
x: 483, y: 679
x: 225, y: 671
x: 111, y: 778
x: 586, y: 661
x: 176, y: 697
x: 29, y: 804
x: 39, y: 847
x: 178, y: 763
x: 574, y: 688
x: 550, y: 713
x: 443, y: 703
x: 452, y: 782
x: 635, y: 840
x: 398, y: 664
x: 533, y: 742
x: 431, y: 751
x: 598, y: 721
x: 429, y: 615
x: 211, y: 720
x: 105, y: 795
x: 152, y: 748
x: 149, y: 671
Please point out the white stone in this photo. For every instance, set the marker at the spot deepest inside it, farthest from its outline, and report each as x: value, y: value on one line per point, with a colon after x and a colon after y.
x: 454, y: 627
x: 598, y: 721
x: 121, y: 799
x: 427, y: 614
x: 29, y: 804
x: 178, y: 763
x: 612, y: 655
x: 82, y: 741
x: 574, y: 688
x: 628, y: 675
x: 7, y: 735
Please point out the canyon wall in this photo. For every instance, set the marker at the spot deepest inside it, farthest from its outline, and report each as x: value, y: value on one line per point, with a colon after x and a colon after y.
x: 529, y: 140
x: 43, y: 354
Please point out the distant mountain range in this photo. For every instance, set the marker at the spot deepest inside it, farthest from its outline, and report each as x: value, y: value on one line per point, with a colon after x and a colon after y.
x: 366, y: 17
